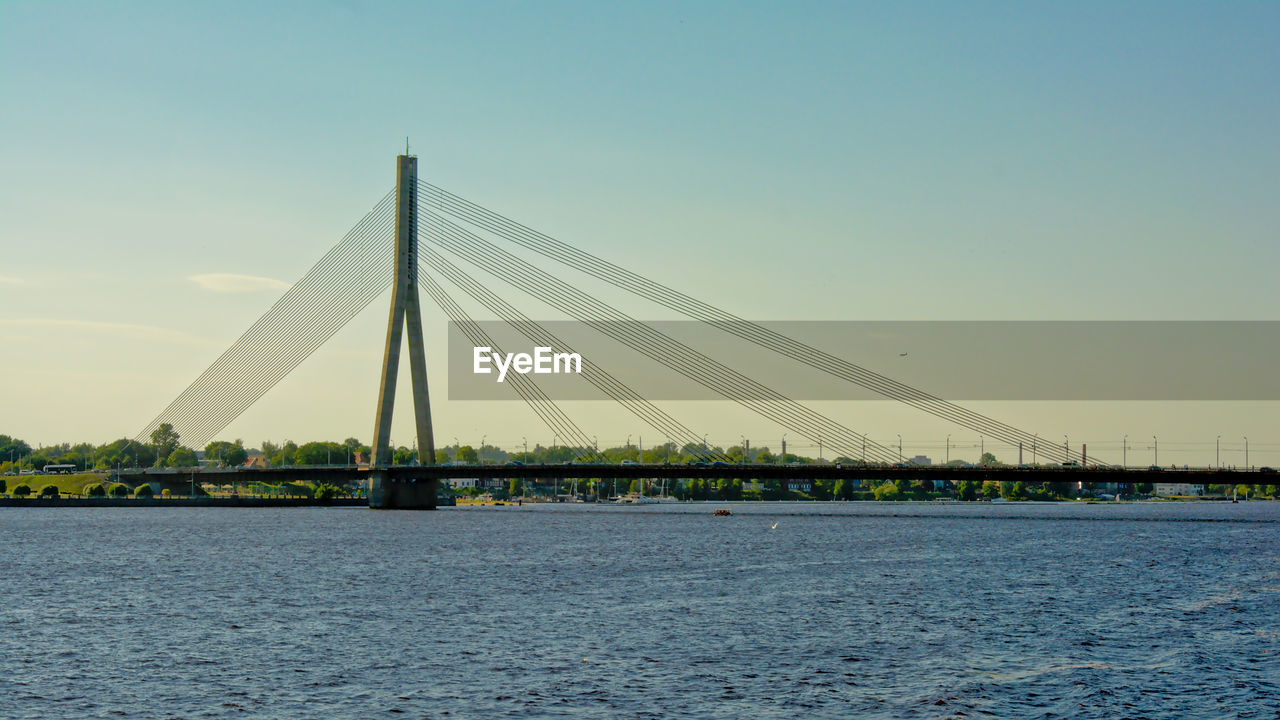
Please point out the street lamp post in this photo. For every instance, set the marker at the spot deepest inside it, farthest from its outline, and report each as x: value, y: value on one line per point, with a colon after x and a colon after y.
x: 948, y: 460
x: 1034, y: 441
x: 899, y: 447
x: 1246, y: 452
x: 1066, y: 448
x: 1155, y: 448
x: 1124, y: 451
x: 1217, y: 453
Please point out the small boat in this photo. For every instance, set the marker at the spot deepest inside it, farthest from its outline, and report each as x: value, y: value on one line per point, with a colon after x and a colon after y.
x: 634, y: 499
x: 721, y: 512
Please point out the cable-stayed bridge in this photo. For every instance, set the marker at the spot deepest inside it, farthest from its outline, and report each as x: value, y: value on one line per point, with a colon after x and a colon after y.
x: 422, y: 237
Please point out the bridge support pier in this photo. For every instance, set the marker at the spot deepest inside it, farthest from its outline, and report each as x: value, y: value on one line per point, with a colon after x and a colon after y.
x: 399, y: 493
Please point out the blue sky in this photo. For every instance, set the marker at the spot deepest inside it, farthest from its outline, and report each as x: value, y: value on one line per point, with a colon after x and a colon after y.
x: 785, y: 161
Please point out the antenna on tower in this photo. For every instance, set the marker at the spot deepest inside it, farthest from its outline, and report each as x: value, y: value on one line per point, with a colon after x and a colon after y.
x: 406, y: 144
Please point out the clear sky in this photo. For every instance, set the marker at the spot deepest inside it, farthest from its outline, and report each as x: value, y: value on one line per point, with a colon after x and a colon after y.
x: 784, y: 161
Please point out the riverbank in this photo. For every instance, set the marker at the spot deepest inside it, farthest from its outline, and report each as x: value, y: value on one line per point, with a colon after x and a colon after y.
x: 177, y: 501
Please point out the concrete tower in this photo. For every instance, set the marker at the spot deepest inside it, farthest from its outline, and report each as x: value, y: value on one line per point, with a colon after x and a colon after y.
x: 403, y: 492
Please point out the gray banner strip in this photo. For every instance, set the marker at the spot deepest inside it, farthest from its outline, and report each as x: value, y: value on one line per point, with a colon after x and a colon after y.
x: 954, y: 360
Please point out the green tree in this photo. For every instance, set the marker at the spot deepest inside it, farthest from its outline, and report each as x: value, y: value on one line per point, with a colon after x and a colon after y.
x: 325, y: 491
x: 515, y: 488
x: 885, y: 492
x: 164, y: 440
x: 13, y: 448
x: 468, y: 455
x: 353, y: 446
x: 321, y: 453
x: 221, y: 452
x: 286, y: 455
x: 967, y: 490
x: 821, y: 491
x: 846, y: 489
x: 270, y: 450
x: 988, y: 459
x: 990, y: 489
x: 181, y: 457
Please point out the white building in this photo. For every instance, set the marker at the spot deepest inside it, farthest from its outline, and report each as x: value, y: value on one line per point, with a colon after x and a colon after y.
x: 1184, y: 489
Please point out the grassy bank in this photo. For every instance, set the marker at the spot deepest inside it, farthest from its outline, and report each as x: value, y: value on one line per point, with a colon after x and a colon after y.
x: 74, y: 484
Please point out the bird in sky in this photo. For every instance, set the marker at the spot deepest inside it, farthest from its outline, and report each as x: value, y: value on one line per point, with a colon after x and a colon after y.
x: 902, y: 354
x: 775, y: 526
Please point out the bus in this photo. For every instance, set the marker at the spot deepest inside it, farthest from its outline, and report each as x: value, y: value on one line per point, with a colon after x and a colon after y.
x: 58, y: 469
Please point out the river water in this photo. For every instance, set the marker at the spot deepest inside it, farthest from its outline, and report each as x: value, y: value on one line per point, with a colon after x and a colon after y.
x: 840, y: 610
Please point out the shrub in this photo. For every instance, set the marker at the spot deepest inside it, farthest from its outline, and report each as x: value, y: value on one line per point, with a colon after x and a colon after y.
x: 166, y: 492
x: 4, y: 487
x: 118, y: 490
x: 22, y: 491
x: 327, y: 492
x: 49, y: 491
x: 296, y: 489
x: 143, y: 490
x: 95, y: 490
x: 887, y: 491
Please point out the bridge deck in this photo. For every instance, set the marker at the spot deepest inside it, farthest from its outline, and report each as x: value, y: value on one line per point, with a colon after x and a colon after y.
x: 1088, y: 476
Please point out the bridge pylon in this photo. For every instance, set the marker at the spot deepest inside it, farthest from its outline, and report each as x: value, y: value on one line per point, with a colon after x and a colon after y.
x: 402, y: 492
